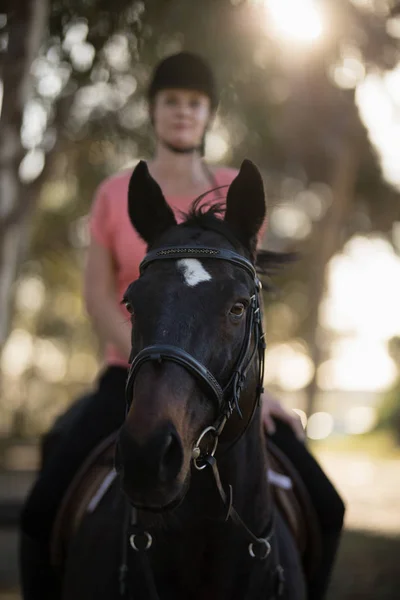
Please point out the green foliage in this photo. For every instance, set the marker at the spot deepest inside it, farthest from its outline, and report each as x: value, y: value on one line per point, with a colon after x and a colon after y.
x: 280, y: 109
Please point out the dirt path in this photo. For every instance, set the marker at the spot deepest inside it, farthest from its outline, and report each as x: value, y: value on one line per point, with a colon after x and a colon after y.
x: 370, y: 488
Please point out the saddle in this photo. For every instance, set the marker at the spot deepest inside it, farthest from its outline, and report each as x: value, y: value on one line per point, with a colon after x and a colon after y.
x: 97, y: 474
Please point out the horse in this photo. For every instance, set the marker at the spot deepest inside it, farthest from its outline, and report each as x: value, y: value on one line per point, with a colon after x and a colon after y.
x: 191, y: 514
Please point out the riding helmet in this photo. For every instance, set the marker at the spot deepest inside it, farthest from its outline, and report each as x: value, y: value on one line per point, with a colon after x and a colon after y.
x: 184, y: 70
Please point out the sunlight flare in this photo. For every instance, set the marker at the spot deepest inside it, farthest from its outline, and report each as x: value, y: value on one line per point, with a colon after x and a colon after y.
x: 298, y: 20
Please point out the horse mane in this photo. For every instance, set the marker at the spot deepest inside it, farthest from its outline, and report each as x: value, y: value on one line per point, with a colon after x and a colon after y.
x: 201, y: 210
x: 209, y: 215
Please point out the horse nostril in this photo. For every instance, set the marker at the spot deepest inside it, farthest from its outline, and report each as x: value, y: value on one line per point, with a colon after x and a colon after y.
x: 171, y: 458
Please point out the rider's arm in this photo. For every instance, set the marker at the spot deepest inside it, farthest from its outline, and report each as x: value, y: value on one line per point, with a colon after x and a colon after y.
x: 100, y: 281
x: 102, y: 301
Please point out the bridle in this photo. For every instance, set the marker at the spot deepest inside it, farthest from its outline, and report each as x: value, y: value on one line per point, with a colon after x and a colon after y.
x: 226, y: 399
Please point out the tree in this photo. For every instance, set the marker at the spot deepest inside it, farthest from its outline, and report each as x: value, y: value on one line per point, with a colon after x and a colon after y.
x: 36, y: 29
x: 26, y: 22
x: 284, y: 111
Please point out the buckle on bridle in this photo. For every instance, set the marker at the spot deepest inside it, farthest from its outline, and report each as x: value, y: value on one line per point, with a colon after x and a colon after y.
x: 196, y: 452
x: 145, y: 545
x: 265, y: 549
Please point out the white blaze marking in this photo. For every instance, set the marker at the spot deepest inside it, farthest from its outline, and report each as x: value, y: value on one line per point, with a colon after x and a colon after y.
x: 193, y: 271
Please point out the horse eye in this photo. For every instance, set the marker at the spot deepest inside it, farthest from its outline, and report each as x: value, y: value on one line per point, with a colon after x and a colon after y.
x: 129, y: 307
x: 237, y: 309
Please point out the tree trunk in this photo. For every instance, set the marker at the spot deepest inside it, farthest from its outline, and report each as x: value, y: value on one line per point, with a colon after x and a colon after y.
x: 26, y: 25
x: 327, y: 242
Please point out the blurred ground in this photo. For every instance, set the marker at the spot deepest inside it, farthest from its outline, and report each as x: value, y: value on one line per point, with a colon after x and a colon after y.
x: 367, y: 565
x: 371, y: 489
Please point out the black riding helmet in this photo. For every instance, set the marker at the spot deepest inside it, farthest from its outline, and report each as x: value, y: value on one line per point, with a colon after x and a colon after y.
x: 185, y: 71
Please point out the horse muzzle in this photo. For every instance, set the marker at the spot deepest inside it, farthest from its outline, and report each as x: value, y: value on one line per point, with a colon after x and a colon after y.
x: 151, y: 471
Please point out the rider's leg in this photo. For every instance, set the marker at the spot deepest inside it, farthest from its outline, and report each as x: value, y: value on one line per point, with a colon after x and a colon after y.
x: 37, y: 578
x: 101, y: 416
x: 60, y: 432
x: 327, y: 503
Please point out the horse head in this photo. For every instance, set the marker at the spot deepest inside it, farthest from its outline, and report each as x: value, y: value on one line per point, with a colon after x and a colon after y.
x: 194, y: 335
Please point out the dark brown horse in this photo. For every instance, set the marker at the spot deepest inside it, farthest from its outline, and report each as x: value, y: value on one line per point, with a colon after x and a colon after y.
x: 196, y: 519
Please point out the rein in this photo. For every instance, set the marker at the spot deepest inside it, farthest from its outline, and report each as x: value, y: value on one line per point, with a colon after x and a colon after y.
x: 226, y: 400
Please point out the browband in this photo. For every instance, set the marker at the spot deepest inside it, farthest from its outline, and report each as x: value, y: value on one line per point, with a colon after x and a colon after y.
x: 177, y: 252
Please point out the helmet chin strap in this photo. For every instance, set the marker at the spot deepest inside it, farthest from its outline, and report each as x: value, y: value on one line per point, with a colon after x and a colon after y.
x: 180, y: 150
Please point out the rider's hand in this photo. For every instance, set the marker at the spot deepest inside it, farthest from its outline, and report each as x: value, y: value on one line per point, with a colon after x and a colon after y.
x: 272, y: 408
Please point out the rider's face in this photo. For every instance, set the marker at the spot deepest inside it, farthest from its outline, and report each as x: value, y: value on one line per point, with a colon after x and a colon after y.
x: 180, y: 117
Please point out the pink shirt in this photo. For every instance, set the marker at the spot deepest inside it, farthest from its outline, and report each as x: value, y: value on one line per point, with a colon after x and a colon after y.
x: 110, y: 227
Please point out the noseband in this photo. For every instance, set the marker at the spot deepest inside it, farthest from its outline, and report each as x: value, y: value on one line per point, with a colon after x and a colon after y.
x: 226, y: 399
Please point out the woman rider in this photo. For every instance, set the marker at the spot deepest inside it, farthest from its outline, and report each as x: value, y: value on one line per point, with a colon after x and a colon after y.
x: 182, y: 101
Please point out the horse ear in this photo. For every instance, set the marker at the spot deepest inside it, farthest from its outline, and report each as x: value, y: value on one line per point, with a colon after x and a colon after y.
x: 245, y: 204
x: 148, y: 210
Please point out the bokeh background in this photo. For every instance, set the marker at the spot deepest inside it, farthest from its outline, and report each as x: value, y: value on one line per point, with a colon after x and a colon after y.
x: 310, y: 91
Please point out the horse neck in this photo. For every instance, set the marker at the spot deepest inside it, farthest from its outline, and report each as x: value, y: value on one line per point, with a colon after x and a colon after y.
x: 244, y: 467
